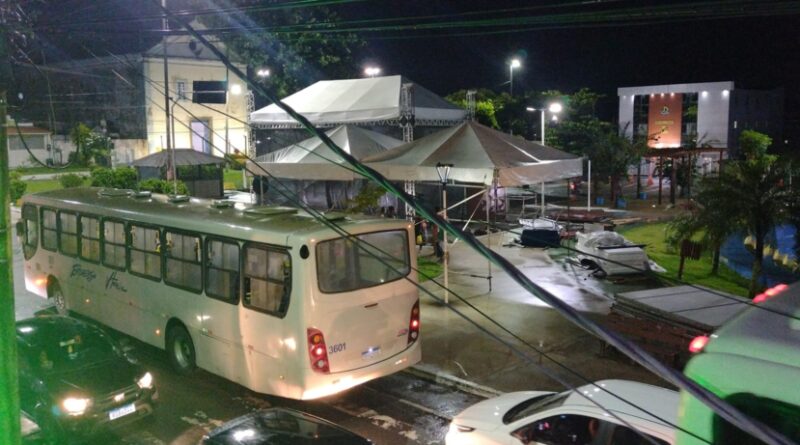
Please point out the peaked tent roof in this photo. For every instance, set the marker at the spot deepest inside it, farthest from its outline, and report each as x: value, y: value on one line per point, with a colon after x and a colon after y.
x: 370, y: 100
x: 478, y: 154
x: 311, y: 158
x: 183, y: 156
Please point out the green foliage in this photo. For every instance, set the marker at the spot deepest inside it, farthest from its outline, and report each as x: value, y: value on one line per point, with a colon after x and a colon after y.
x: 121, y: 177
x: 161, y: 186
x: 366, y: 201
x: 17, y: 186
x: 485, y: 108
x: 70, y: 180
x: 754, y: 145
x: 295, y: 59
x: 91, y: 147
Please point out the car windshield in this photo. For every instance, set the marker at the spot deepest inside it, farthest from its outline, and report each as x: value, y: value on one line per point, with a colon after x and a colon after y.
x: 534, y: 405
x: 49, y: 350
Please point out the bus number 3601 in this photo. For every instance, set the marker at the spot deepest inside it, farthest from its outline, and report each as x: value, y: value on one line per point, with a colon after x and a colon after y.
x: 338, y: 347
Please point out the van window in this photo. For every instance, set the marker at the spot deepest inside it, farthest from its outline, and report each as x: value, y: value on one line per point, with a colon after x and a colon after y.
x: 114, y: 244
x: 30, y: 241
x: 90, y: 238
x: 68, y: 233
x: 182, y: 257
x: 780, y: 416
x: 222, y: 270
x: 267, y: 279
x: 145, y: 245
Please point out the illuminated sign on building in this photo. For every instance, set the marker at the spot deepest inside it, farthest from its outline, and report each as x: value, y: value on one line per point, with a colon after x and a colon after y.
x: 664, y: 120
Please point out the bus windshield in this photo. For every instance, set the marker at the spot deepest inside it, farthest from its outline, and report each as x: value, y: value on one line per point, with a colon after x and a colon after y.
x: 344, y: 265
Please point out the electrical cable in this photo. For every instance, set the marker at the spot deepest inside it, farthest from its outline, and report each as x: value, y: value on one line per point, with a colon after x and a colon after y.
x: 722, y: 408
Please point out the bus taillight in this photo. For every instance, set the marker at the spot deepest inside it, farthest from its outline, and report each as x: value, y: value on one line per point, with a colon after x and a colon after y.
x: 317, y: 352
x: 413, y: 324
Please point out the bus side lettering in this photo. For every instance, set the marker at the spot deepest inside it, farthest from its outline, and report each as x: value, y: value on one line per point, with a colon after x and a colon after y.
x: 86, y: 274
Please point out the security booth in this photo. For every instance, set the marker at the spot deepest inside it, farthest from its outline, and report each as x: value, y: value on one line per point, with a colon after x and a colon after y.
x: 201, y: 172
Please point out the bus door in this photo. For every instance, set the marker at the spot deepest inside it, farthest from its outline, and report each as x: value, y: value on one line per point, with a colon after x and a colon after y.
x: 365, y: 316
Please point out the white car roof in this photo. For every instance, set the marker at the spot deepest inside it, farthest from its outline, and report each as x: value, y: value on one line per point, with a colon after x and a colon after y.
x: 660, y: 402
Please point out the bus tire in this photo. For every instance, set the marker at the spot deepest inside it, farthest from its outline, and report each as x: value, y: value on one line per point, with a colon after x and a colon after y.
x: 181, y: 350
x: 56, y: 295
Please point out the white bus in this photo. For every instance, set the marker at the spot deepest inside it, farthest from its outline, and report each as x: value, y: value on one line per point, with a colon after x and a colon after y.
x: 267, y: 297
x: 753, y: 363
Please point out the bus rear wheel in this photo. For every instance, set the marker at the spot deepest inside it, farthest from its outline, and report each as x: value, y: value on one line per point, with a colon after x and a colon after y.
x: 181, y: 350
x: 56, y: 295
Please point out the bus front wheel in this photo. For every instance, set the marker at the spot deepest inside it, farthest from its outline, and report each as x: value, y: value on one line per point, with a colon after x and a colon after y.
x: 56, y: 295
x: 181, y: 350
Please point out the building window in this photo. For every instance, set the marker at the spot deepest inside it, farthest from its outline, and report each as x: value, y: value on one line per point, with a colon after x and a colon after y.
x: 68, y: 233
x: 641, y: 109
x: 180, y: 89
x: 114, y: 244
x: 222, y: 270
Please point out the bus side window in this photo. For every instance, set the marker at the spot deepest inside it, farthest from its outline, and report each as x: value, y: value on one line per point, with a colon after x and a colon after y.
x: 267, y: 279
x: 90, y: 238
x: 222, y: 270
x: 49, y: 230
x: 114, y: 244
x: 183, y: 268
x: 145, y: 260
x: 30, y: 221
x: 68, y: 233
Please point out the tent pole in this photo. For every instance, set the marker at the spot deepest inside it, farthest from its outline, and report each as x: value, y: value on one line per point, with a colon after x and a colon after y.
x: 589, y: 188
x: 543, y: 203
x: 488, y: 237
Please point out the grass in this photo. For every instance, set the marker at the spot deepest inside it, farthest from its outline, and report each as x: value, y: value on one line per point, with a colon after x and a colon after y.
x: 43, y: 185
x: 46, y: 170
x: 232, y: 179
x: 694, y: 272
x: 427, y: 267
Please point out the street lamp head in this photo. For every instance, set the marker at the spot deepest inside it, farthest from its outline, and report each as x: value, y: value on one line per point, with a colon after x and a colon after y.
x: 531, y: 109
x: 515, y: 63
x: 444, y: 171
x: 236, y: 89
x: 372, y: 71
x: 555, y: 107
x: 263, y: 72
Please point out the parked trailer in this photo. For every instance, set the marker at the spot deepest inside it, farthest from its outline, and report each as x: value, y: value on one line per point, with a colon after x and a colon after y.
x: 665, y: 320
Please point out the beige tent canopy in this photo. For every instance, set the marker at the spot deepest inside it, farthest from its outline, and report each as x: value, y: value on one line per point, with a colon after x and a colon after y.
x: 479, y: 154
x: 311, y: 159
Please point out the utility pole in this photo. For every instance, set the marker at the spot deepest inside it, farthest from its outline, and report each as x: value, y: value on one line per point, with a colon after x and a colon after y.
x: 170, y: 148
x: 9, y: 397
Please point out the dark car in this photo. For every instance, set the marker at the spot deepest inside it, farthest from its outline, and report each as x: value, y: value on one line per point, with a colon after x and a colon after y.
x: 76, y: 381
x: 282, y: 426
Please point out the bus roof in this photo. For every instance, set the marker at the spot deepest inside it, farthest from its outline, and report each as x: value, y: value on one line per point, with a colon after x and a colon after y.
x: 764, y: 332
x: 216, y: 217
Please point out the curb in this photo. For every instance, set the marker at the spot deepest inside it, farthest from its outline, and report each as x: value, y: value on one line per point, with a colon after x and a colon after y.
x: 435, y: 375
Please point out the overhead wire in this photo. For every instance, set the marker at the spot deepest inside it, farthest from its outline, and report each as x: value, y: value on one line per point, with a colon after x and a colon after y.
x: 722, y: 408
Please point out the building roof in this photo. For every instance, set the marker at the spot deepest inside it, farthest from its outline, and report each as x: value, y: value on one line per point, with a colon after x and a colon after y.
x: 183, y: 156
x: 13, y: 130
x: 187, y: 47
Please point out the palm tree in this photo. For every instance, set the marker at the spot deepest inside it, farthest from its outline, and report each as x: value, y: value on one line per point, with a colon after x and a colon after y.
x: 749, y: 195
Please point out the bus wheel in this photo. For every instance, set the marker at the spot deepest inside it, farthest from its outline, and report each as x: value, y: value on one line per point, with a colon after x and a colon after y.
x: 181, y: 350
x: 57, y: 296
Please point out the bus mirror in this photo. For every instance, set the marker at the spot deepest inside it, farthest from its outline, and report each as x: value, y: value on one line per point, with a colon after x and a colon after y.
x: 20, y: 229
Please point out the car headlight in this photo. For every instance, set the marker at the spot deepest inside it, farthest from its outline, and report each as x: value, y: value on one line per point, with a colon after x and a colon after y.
x: 146, y: 382
x: 75, y: 406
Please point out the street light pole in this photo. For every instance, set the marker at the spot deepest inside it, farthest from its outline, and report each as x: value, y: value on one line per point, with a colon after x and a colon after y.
x: 554, y: 108
x: 515, y: 63
x: 444, y: 171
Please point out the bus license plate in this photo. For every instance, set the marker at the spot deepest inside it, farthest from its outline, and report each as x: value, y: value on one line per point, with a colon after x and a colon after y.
x: 122, y: 411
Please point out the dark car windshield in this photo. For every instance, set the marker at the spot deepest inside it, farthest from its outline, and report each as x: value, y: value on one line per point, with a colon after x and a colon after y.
x: 50, y: 349
x: 282, y: 427
x: 534, y: 405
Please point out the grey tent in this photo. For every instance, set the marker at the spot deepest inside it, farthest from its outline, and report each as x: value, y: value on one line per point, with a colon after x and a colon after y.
x: 201, y: 172
x: 480, y: 155
x: 312, y: 159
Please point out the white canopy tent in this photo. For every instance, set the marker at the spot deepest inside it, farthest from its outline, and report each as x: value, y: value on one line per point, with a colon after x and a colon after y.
x: 311, y: 159
x: 480, y: 155
x: 375, y: 101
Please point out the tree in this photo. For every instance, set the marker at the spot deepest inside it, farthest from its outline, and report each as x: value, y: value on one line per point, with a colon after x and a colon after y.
x: 287, y: 41
x: 485, y: 106
x: 612, y: 154
x: 90, y: 147
x: 750, y: 195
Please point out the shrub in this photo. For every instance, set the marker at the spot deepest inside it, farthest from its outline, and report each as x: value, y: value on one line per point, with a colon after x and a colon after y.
x: 17, y: 186
x: 121, y: 178
x: 162, y: 186
x: 70, y: 180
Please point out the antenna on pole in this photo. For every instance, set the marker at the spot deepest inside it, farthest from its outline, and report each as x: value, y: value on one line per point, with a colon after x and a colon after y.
x: 471, y: 106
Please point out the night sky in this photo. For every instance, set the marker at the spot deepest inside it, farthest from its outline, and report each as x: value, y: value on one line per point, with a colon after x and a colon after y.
x: 752, y: 51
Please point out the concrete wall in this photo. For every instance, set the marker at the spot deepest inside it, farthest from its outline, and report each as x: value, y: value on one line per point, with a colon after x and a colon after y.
x: 19, y: 157
x: 188, y: 70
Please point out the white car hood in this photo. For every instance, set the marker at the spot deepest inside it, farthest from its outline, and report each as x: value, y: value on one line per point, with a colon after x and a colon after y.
x: 488, y: 415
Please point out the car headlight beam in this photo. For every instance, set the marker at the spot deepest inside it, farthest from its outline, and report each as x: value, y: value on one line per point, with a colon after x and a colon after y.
x: 146, y: 382
x: 75, y: 406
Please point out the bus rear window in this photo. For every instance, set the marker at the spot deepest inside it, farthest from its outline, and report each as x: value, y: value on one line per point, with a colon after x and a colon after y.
x: 346, y: 265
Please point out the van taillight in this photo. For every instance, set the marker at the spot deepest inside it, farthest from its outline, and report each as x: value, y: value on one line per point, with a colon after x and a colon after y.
x: 698, y: 343
x: 413, y: 324
x: 317, y: 351
x: 769, y: 293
